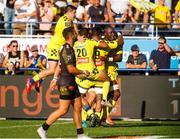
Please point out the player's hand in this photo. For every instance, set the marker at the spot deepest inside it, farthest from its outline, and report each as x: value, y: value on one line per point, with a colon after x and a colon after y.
x: 53, y: 84
x: 82, y: 76
x: 87, y: 73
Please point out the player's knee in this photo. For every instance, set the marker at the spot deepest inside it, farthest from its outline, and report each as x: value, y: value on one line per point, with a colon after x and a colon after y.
x: 63, y: 111
x: 50, y: 71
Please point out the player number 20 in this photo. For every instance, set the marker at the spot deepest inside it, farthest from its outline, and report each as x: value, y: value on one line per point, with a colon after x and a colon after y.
x: 81, y: 52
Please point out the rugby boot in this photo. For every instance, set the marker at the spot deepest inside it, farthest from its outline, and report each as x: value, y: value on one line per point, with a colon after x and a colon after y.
x: 28, y: 85
x: 37, y: 86
x: 42, y: 133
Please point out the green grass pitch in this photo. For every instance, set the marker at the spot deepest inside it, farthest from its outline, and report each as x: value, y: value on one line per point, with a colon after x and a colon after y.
x: 66, y: 129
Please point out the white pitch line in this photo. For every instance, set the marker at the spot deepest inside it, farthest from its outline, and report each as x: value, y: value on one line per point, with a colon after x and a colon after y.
x: 31, y: 125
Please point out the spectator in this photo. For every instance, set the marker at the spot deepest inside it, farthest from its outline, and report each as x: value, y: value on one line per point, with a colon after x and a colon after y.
x: 162, y: 15
x: 36, y: 61
x: 116, y: 9
x: 89, y: 4
x: 144, y: 15
x: 14, y: 58
x: 25, y: 11
x: 97, y: 13
x: 9, y: 15
x: 177, y: 13
x: 128, y: 29
x: 136, y: 60
x: 160, y: 58
x: 80, y: 11
x: 46, y: 15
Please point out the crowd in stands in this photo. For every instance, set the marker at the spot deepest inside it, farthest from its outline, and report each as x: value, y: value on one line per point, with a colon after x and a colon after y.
x: 16, y: 59
x: 26, y: 15
x: 159, y: 59
x: 93, y: 11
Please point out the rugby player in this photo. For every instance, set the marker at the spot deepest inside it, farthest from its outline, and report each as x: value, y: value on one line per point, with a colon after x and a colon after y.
x: 64, y: 76
x: 53, y: 47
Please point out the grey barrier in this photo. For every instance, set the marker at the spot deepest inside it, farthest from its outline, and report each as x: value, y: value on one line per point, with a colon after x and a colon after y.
x: 141, y: 97
x: 151, y: 97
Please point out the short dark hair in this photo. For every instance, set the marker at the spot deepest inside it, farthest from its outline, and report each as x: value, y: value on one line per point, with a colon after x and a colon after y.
x: 96, y: 32
x: 162, y: 37
x: 83, y: 32
x: 107, y: 27
x: 70, y: 8
x: 13, y: 41
x: 134, y: 47
x: 68, y: 32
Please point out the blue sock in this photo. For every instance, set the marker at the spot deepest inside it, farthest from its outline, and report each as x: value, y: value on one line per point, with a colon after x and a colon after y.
x: 40, y: 81
x: 31, y: 81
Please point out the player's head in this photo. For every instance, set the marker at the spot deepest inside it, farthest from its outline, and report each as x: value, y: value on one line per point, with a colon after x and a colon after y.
x: 96, y: 33
x: 84, y: 32
x: 109, y: 33
x: 71, y: 11
x: 69, y: 33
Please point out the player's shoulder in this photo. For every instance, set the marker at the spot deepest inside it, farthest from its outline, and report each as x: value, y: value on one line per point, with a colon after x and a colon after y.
x: 92, y: 42
x: 76, y: 44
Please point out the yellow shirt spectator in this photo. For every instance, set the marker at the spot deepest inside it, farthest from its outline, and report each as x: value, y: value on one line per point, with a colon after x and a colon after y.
x: 162, y: 15
x: 177, y: 10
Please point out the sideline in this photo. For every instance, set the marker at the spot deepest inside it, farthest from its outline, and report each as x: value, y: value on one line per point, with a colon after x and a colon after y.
x: 33, y: 125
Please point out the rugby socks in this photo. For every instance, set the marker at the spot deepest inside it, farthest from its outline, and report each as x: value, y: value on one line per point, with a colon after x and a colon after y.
x: 40, y: 81
x: 35, y: 78
x: 107, y: 111
x: 32, y: 81
x: 113, y: 102
x: 89, y: 112
x: 106, y: 86
x: 45, y: 126
x: 98, y: 114
x: 88, y: 109
x: 84, y: 115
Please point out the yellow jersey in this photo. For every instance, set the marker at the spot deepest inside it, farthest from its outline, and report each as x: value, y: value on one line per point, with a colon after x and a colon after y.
x: 177, y: 8
x: 113, y: 66
x: 58, y: 40
x: 161, y: 14
x: 63, y: 22
x: 84, y: 52
x: 101, y: 52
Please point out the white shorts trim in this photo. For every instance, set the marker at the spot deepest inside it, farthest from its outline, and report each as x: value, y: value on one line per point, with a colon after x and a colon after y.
x: 82, y: 90
x: 98, y: 90
x: 114, y: 87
